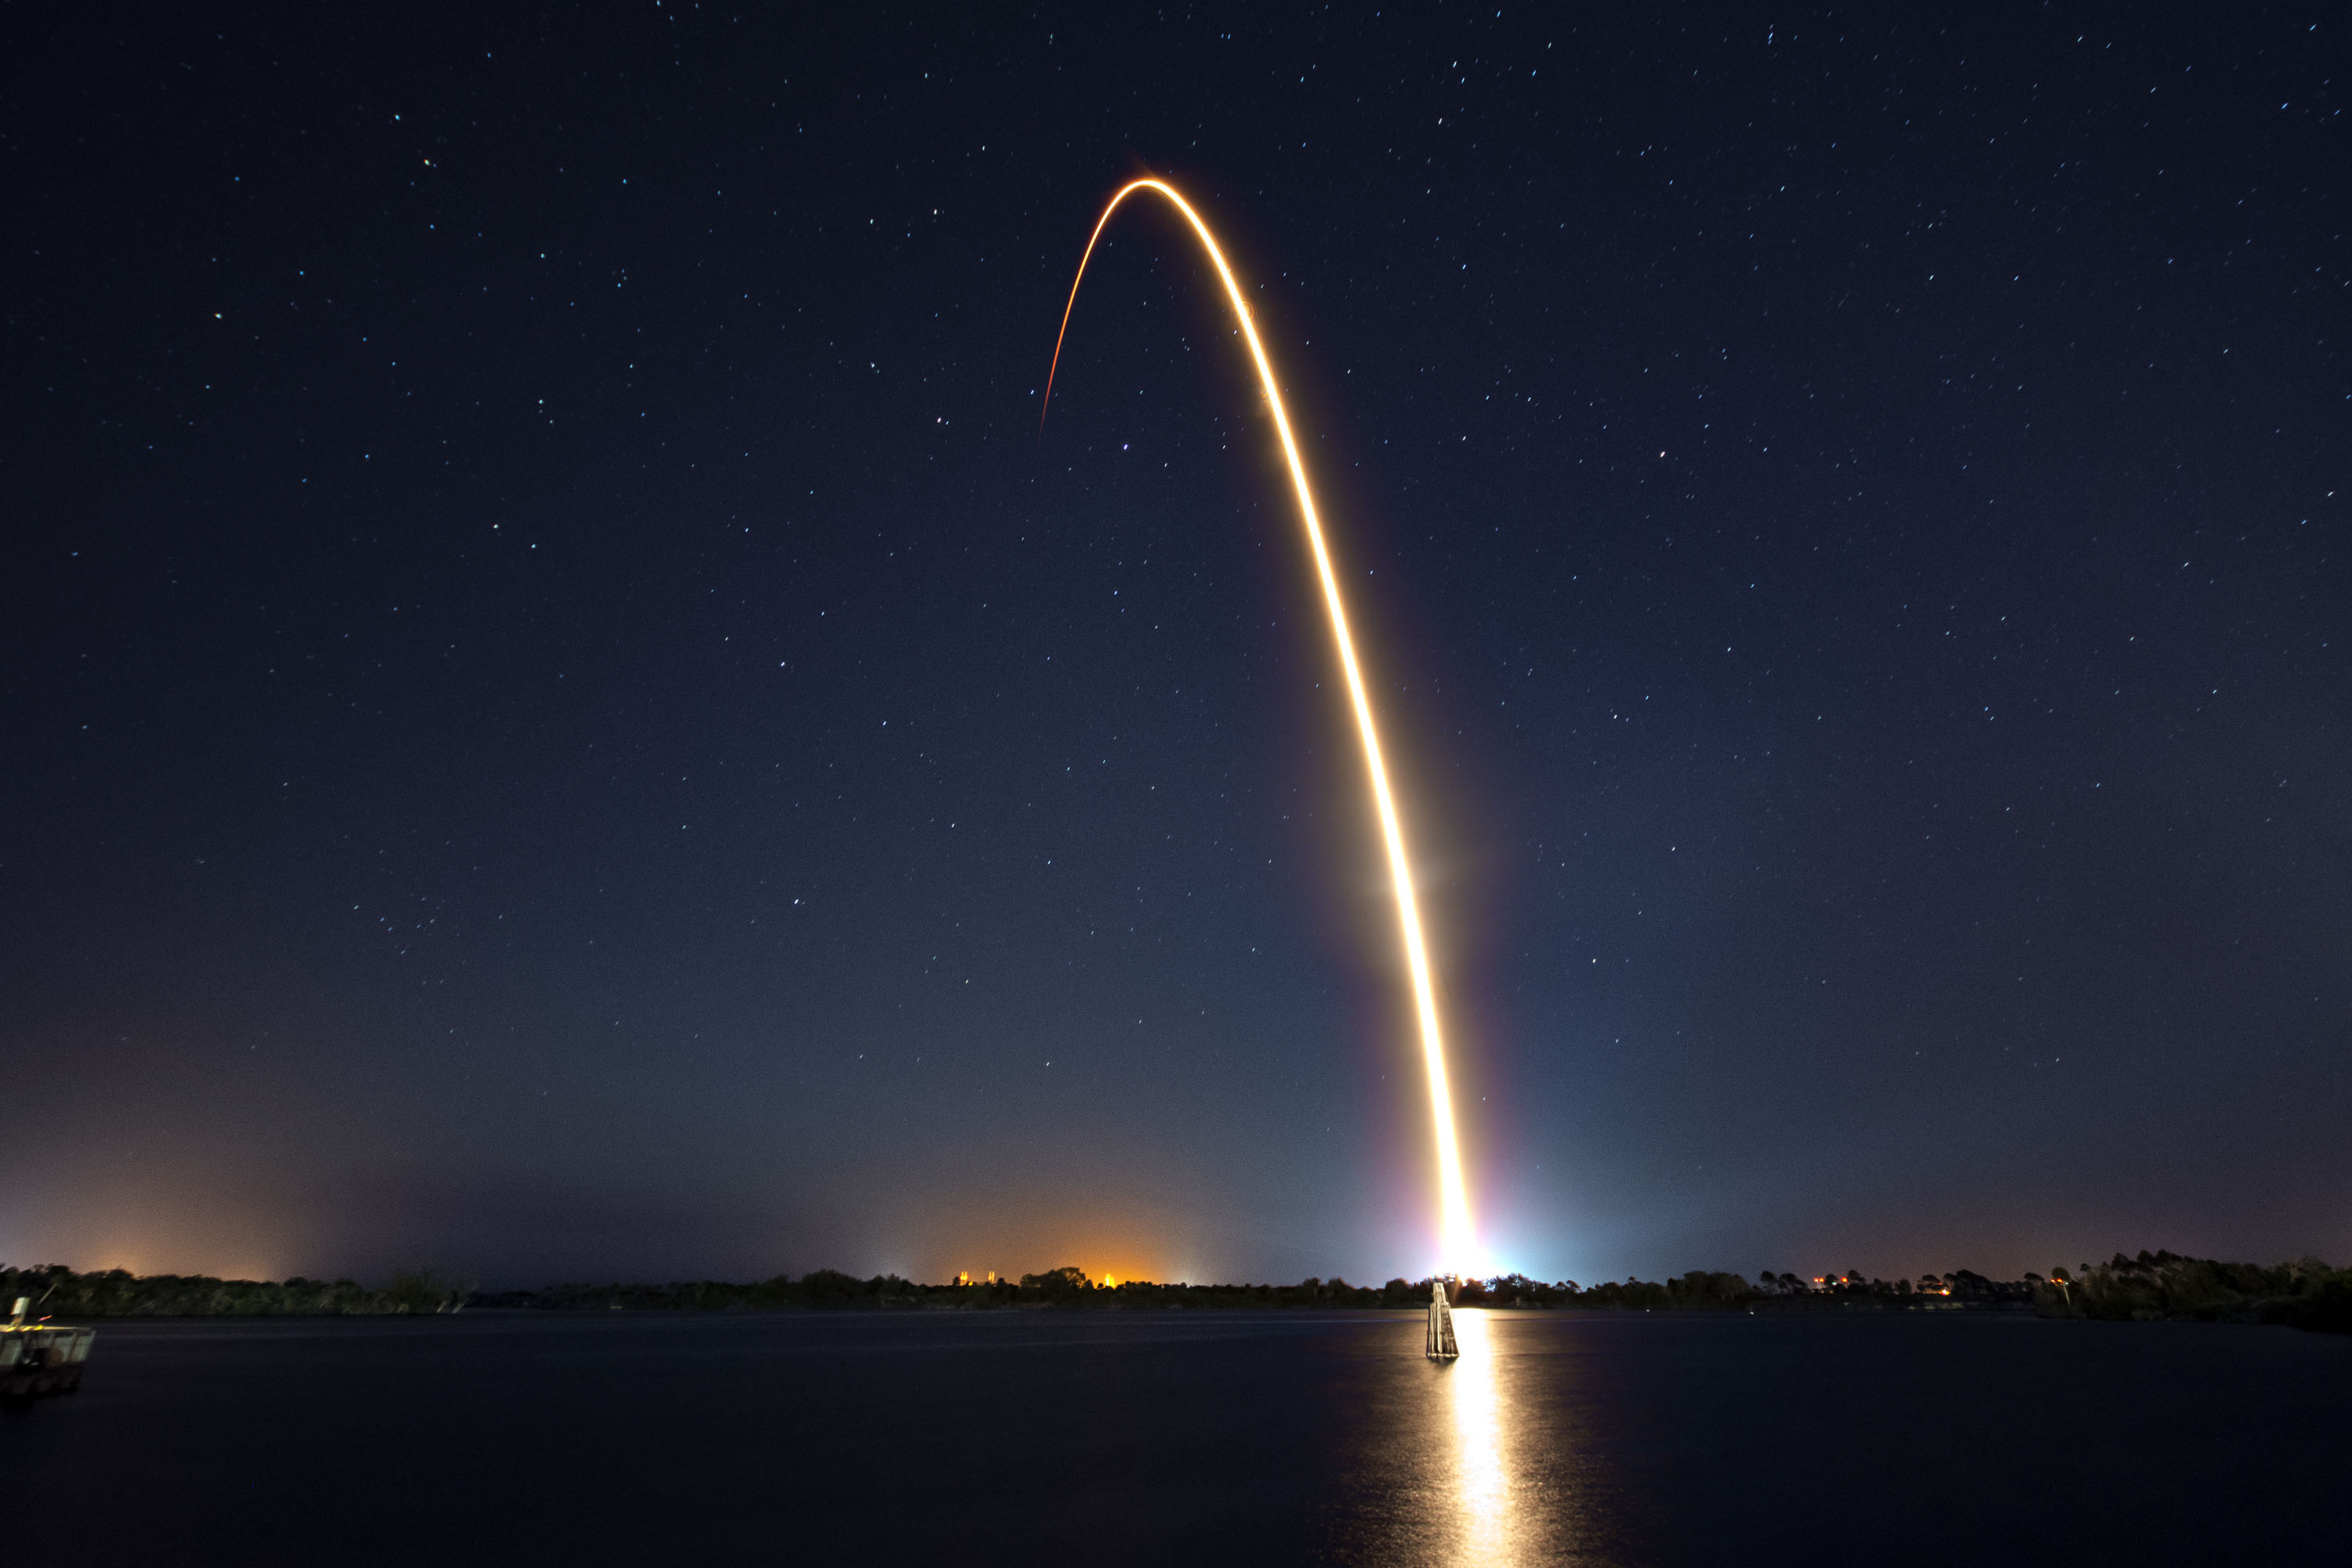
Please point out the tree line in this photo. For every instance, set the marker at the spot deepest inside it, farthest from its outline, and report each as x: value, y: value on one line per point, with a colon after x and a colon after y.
x: 54, y: 1291
x: 2305, y: 1293
x: 2156, y: 1286
x: 1071, y: 1287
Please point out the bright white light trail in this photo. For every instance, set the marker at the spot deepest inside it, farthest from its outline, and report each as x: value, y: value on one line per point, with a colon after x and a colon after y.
x: 1453, y: 1203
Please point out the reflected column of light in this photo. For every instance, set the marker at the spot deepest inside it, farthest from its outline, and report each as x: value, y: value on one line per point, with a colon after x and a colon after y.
x: 1453, y: 1203
x: 1483, y: 1484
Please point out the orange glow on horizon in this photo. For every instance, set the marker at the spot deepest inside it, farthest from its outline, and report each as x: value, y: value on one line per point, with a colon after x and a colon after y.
x: 1453, y: 1203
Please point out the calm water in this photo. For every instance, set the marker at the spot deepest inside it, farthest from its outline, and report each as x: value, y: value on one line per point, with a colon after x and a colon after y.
x: 1185, y: 1437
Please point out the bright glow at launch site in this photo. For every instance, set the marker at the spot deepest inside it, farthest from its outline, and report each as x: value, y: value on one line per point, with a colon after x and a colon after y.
x: 1453, y: 1203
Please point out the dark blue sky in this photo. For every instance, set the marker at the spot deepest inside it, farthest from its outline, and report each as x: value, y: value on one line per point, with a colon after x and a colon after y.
x: 561, y: 719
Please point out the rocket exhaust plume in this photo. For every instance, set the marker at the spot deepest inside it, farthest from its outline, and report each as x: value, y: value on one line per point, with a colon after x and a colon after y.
x: 1453, y: 1203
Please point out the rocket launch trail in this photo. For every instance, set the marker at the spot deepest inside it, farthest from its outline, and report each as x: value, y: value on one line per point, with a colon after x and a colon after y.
x: 1454, y: 1204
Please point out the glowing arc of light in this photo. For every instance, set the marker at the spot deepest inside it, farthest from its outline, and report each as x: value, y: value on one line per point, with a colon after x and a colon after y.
x: 1454, y: 1204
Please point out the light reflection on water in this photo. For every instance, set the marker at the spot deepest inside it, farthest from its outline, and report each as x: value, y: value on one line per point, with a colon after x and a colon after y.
x: 1482, y: 1479
x: 1475, y: 1460
x: 1576, y: 1437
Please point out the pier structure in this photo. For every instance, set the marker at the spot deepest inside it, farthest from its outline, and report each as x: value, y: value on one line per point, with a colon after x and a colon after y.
x: 1442, y: 1345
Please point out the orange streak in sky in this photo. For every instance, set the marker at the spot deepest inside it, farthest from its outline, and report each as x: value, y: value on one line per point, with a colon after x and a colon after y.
x: 1453, y: 1203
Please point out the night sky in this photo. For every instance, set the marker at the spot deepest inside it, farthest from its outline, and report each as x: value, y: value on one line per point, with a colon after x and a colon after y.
x: 561, y: 719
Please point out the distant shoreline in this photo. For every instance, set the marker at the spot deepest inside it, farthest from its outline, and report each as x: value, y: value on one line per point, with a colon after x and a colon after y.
x: 2305, y: 1294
